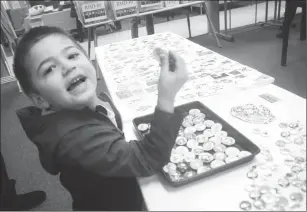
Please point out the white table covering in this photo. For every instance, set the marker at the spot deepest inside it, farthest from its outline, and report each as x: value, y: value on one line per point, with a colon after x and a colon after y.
x: 226, y: 190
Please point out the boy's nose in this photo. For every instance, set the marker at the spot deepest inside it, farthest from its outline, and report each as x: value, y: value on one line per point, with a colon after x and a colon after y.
x: 66, y: 70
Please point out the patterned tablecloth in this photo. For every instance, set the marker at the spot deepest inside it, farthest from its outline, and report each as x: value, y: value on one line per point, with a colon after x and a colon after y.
x: 132, y: 74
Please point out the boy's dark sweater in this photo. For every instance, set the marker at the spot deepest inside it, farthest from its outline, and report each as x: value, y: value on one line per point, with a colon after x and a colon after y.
x: 96, y: 165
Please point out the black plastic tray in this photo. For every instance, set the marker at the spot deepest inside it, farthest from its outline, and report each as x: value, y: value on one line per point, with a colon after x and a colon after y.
x: 242, y: 142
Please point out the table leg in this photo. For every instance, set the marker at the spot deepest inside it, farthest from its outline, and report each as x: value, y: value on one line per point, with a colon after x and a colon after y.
x: 266, y: 10
x: 212, y: 26
x: 189, y: 24
x: 256, y: 10
x: 95, y: 45
x: 225, y: 15
x: 89, y: 37
x: 275, y: 10
x: 279, y: 7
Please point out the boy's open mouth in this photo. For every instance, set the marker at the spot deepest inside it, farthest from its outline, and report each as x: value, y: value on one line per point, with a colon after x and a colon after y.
x: 76, y: 82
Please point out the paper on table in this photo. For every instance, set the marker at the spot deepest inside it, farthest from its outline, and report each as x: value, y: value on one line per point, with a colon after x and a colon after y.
x: 132, y: 73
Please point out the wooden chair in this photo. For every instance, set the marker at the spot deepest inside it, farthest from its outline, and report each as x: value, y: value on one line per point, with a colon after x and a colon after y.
x: 291, y: 6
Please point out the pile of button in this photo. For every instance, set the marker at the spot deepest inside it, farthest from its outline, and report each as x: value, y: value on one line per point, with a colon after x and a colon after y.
x: 201, y: 145
x: 280, y: 187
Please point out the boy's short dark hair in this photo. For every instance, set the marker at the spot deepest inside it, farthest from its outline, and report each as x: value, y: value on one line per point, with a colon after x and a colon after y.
x: 28, y: 40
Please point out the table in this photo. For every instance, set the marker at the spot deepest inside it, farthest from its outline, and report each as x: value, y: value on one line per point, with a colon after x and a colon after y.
x: 213, y: 193
x: 131, y: 72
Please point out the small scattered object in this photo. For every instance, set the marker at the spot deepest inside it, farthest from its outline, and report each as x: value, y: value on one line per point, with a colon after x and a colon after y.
x: 232, y: 151
x: 182, y: 167
x: 268, y: 198
x: 143, y: 127
x: 256, y: 131
x: 229, y: 141
x: 208, y: 146
x: 255, y: 194
x: 259, y: 204
x: 209, y: 123
x: 196, y: 164
x: 283, y: 182
x: 216, y: 127
x: 231, y: 159
x: 282, y: 201
x: 219, y: 156
x: 252, y: 175
x: 293, y: 125
x: 296, y: 197
x: 208, y: 133
x: 203, y: 169
x: 216, y: 164
x: 176, y: 158
x: 283, y: 125
x: 206, y: 157
x: 189, y: 174
x: 285, y: 134
x: 244, y: 154
x: 192, y: 143
x: 246, y: 205
x: 194, y: 112
x: 285, y: 151
x: 219, y: 148
x: 181, y: 140
x: 198, y: 150
x: 264, y: 189
x: 280, y: 143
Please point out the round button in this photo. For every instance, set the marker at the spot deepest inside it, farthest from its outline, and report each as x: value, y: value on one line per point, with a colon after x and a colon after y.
x: 143, y: 127
x: 293, y: 125
x: 171, y: 167
x: 216, y: 127
x: 182, y: 167
x: 176, y: 158
x: 259, y: 204
x: 208, y: 146
x: 244, y: 154
x: 192, y: 143
x: 219, y: 148
x: 206, y: 157
x: 181, y: 150
x: 284, y: 151
x: 299, y: 141
x: 189, y: 174
x: 208, y: 133
x: 297, y: 183
x: 232, y: 151
x: 252, y: 175
x: 231, y: 159
x: 196, y: 164
x: 189, y: 156
x: 229, y: 141
x: 216, y: 163
x: 283, y: 182
x: 283, y: 125
x: 187, y: 123
x: 209, y: 123
x: 282, y: 201
x: 296, y: 197
x: 198, y: 121
x: 200, y: 127
x: 181, y: 141
x: 189, y: 130
x: 280, y: 143
x: 220, y: 156
x: 194, y: 112
x: 175, y: 176
x: 222, y: 134
x: 299, y: 159
x: 296, y: 169
x: 201, y: 139
x: 246, y: 205
x: 203, y: 169
x: 200, y: 115
x: 268, y: 198
x: 198, y: 150
x: 285, y: 134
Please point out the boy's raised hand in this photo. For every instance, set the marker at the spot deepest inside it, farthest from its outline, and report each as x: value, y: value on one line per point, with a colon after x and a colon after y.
x: 173, y: 75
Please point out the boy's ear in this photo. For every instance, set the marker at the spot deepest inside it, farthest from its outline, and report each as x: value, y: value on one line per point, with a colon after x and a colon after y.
x: 39, y: 101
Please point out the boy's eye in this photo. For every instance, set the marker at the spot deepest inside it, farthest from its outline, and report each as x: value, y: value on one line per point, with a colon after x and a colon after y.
x: 73, y: 56
x: 49, y: 70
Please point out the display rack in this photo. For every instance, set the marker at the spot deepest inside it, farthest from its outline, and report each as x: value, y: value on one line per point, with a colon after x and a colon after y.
x: 92, y: 27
